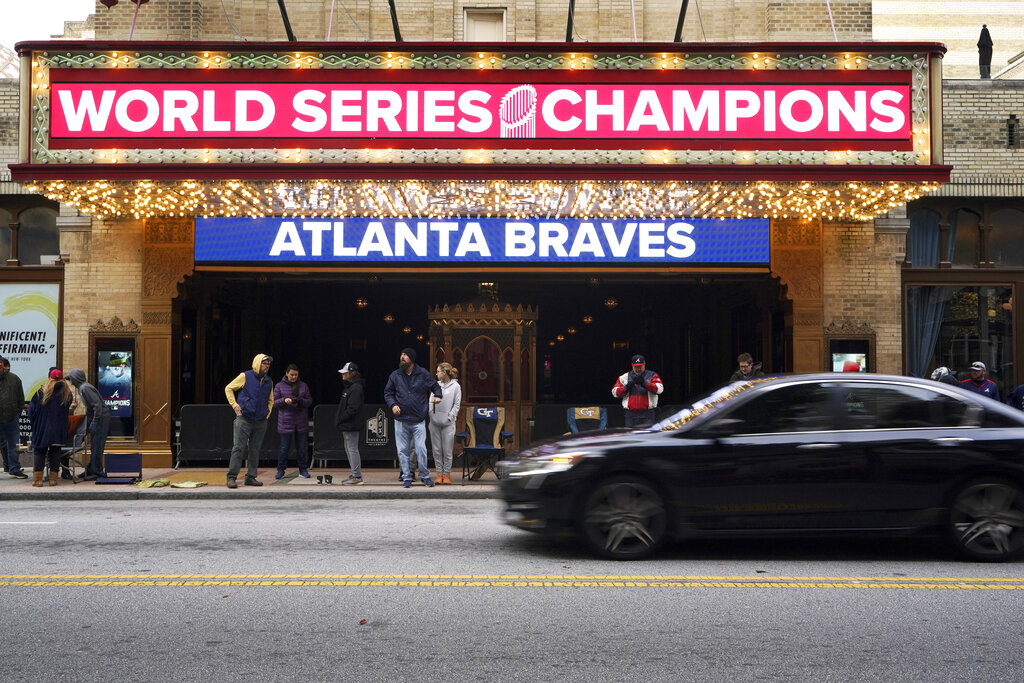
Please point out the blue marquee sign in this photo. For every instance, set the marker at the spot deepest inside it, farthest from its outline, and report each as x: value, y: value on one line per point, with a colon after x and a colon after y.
x: 482, y: 240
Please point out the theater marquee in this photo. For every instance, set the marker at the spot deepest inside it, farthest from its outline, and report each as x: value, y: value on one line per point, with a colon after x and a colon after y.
x: 240, y: 129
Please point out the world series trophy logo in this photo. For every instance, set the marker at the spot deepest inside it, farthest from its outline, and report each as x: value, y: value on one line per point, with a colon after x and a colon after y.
x: 518, y: 112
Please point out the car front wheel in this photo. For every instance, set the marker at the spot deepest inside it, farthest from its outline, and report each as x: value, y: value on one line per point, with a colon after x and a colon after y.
x: 623, y: 519
x: 987, y: 520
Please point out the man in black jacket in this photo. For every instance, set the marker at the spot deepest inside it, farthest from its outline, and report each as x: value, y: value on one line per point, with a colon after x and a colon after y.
x: 12, y: 403
x: 347, y: 420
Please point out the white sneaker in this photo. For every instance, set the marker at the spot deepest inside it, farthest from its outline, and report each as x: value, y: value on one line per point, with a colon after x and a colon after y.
x: 352, y: 481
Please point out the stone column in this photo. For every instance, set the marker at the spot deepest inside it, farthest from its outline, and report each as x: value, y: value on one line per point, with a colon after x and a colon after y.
x: 167, y: 258
x: 797, y: 261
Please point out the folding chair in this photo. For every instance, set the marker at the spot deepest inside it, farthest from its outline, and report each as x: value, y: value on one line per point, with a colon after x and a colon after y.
x: 484, y: 440
x: 75, y: 454
x: 587, y: 418
x: 121, y: 468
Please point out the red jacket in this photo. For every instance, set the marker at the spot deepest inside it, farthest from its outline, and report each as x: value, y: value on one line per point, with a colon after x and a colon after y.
x: 637, y: 396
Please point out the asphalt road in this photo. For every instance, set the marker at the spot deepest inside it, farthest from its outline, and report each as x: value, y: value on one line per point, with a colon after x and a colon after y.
x: 441, y: 590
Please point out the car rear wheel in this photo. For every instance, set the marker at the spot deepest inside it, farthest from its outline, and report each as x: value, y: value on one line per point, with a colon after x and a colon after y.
x: 623, y: 519
x: 987, y: 520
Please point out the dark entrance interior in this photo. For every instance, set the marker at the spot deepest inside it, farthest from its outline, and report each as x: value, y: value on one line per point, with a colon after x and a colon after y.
x: 689, y: 328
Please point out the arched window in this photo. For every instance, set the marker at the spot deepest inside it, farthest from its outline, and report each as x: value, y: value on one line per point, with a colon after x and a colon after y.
x: 37, y: 235
x: 1006, y: 241
x: 923, y: 239
x: 963, y: 225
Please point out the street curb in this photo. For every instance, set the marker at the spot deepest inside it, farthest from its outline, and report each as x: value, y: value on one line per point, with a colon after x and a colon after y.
x: 167, y: 494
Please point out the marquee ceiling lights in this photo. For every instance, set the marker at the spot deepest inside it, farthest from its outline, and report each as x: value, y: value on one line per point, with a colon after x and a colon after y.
x: 486, y: 198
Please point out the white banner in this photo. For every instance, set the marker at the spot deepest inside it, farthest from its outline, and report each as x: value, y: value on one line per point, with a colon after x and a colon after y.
x: 29, y: 314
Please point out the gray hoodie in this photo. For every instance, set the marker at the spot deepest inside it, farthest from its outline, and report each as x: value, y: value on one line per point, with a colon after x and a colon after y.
x: 94, y: 405
x: 447, y: 411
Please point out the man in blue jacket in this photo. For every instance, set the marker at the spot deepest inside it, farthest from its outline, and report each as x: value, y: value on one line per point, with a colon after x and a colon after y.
x: 407, y: 394
x: 977, y: 382
x: 251, y: 395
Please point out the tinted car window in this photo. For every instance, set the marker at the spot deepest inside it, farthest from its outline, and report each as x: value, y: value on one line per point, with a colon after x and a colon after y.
x: 876, y: 406
x: 794, y: 408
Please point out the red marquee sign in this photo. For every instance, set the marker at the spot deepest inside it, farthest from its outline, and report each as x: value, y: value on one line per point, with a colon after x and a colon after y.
x: 157, y: 108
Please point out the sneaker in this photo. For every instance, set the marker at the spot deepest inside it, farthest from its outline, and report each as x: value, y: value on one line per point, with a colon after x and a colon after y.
x: 250, y: 481
x: 352, y: 481
x: 429, y: 482
x: 232, y: 484
x: 280, y: 473
x: 304, y: 474
x: 19, y: 475
x: 406, y: 483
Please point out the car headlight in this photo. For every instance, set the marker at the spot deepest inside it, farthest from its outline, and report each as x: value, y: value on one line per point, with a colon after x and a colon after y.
x: 546, y: 464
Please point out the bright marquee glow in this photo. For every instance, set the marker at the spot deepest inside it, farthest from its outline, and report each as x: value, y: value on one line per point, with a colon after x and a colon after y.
x: 859, y: 201
x: 553, y: 110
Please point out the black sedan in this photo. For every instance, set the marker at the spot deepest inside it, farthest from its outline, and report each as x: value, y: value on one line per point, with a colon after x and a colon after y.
x: 800, y: 455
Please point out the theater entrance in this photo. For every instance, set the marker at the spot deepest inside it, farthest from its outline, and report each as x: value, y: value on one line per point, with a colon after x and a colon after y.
x: 541, y: 338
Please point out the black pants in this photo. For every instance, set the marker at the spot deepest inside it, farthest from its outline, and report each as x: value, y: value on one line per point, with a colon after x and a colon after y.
x: 41, y: 455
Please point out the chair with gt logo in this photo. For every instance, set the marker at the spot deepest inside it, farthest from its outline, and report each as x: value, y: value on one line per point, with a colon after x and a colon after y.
x: 484, y: 440
x: 586, y: 418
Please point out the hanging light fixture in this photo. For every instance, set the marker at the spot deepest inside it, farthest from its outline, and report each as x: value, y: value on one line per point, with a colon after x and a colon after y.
x: 407, y: 330
x: 388, y: 318
x: 571, y: 330
x: 587, y: 319
x: 560, y: 337
x: 611, y: 302
x: 362, y: 303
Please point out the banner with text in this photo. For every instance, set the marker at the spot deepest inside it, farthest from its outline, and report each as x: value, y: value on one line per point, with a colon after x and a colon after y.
x: 485, y: 240
x: 29, y: 314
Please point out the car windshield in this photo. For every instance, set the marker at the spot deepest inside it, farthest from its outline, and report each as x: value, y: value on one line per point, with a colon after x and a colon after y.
x: 705, y: 405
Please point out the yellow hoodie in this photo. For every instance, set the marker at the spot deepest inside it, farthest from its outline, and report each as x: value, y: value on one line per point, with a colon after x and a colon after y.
x: 237, y: 383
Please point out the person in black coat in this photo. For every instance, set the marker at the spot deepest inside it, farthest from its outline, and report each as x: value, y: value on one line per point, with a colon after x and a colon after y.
x: 48, y: 413
x: 347, y: 420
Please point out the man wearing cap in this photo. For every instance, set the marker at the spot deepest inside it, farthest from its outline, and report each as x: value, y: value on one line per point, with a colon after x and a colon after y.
x: 978, y: 384
x: 251, y: 395
x: 12, y: 403
x: 347, y: 420
x: 407, y: 394
x: 639, y: 389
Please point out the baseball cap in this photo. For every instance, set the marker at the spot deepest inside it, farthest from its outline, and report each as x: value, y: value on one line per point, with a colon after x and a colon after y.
x: 978, y: 365
x: 639, y: 360
x: 348, y: 367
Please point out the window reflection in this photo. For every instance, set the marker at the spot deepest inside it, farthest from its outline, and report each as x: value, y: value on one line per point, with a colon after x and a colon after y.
x: 954, y: 326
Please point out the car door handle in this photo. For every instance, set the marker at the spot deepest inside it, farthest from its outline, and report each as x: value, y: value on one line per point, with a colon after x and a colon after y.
x: 817, y: 446
x: 951, y: 440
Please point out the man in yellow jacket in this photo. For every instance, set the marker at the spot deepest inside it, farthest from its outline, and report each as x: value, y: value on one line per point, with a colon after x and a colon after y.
x: 251, y: 394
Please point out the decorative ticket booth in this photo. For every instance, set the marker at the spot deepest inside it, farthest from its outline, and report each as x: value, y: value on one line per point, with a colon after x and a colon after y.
x: 493, y: 345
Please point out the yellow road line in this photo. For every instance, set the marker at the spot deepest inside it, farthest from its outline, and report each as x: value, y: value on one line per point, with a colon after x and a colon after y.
x: 502, y: 581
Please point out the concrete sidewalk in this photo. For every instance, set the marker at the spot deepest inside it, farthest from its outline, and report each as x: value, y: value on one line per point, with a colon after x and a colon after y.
x: 378, y: 484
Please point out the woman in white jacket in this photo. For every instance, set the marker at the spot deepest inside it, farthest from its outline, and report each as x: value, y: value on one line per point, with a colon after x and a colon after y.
x: 443, y: 413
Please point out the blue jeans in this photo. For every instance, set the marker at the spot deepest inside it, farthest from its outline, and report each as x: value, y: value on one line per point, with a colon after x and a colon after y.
x: 639, y: 417
x: 301, y: 442
x: 9, y: 434
x: 412, y: 434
